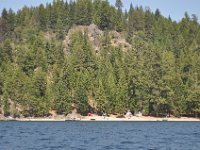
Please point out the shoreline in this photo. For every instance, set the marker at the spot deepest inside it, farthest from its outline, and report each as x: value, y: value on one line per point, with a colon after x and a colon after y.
x: 140, y: 118
x: 105, y: 119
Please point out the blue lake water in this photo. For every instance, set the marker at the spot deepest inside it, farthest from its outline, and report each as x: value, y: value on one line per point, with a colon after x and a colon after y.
x: 99, y: 136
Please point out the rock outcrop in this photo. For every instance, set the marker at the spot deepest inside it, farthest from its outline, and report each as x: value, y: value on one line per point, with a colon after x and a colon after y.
x: 95, y: 35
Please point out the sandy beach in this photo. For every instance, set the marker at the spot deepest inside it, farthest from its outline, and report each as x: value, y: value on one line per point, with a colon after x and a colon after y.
x: 102, y: 118
x: 135, y: 118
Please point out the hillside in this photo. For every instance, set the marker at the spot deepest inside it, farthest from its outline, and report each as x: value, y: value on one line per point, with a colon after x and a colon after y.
x: 94, y: 57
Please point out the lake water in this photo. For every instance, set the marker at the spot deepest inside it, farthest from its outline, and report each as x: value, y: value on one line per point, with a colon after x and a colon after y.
x: 99, y: 136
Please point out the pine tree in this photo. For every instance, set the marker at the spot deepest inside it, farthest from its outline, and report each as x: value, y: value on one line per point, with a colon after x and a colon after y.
x: 130, y: 24
x: 6, y: 51
x: 119, y: 16
x: 104, y: 16
x: 42, y: 18
x: 4, y: 23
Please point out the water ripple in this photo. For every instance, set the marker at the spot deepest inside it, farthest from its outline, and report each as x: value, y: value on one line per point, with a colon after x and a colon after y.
x: 99, y: 136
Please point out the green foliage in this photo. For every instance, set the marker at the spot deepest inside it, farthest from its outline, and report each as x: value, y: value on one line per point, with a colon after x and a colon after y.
x: 119, y: 16
x: 103, y: 15
x: 83, y: 12
x: 6, y: 51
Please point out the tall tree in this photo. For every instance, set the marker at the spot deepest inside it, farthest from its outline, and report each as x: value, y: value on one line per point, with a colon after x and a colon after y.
x: 119, y: 16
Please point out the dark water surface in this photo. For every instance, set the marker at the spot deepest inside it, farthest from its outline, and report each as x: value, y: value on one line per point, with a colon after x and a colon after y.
x: 99, y: 136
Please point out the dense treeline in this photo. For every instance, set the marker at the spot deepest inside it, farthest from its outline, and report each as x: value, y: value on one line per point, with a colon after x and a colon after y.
x: 159, y: 74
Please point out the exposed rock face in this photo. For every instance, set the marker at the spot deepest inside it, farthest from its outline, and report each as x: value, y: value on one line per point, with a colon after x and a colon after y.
x: 92, y: 102
x: 66, y: 41
x: 118, y: 41
x: 49, y: 35
x: 95, y: 35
